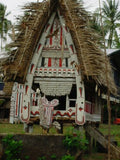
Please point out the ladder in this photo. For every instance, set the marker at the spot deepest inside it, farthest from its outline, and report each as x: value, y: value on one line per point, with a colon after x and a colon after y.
x: 99, y: 137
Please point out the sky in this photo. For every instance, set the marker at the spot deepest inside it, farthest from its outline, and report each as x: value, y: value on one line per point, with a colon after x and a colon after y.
x: 14, y: 6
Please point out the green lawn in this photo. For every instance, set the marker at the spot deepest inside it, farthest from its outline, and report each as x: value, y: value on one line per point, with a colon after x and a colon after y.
x: 115, y: 129
x: 11, y: 128
x: 18, y: 129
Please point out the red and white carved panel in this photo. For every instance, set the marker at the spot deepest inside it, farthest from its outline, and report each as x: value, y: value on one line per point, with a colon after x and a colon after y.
x: 16, y: 102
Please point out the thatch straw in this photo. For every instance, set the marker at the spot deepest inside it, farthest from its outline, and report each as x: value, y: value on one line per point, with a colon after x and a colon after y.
x: 91, y: 58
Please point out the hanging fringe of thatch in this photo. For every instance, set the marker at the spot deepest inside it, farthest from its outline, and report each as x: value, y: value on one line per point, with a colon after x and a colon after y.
x: 91, y: 58
x: 29, y: 32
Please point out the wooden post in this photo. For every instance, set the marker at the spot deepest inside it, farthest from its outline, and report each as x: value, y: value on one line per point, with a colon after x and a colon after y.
x: 108, y: 85
x: 28, y: 127
x: 61, y: 128
x: 90, y: 140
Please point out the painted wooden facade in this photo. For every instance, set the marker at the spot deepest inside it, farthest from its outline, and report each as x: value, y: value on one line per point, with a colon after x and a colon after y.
x: 54, y: 70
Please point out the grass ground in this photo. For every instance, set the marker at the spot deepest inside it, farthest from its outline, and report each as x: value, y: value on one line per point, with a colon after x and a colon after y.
x: 95, y: 156
x: 18, y: 129
x: 115, y: 132
x: 115, y: 129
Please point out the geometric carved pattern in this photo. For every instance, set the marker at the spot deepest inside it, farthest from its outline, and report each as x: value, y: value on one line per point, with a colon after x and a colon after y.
x: 56, y: 88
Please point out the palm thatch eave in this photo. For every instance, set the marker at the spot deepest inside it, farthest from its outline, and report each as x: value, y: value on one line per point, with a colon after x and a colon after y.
x: 91, y: 58
x: 27, y: 38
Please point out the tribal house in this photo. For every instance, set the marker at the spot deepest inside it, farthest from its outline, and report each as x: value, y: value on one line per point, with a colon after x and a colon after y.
x: 57, y: 64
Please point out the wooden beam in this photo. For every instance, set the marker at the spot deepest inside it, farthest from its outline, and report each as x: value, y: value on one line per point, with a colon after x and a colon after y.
x: 99, y: 137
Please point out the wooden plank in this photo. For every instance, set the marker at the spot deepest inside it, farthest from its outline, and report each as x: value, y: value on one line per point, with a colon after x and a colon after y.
x: 40, y: 79
x: 53, y: 54
x: 99, y: 137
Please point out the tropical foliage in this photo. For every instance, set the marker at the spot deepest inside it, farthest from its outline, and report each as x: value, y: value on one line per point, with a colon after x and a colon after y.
x: 12, y: 148
x: 110, y: 15
x: 95, y: 22
x: 111, y: 18
x: 116, y: 41
x: 5, y: 24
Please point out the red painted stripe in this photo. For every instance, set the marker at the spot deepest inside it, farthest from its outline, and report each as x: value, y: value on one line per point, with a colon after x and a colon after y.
x: 37, y: 112
x: 26, y: 89
x: 22, y: 104
x: 17, y: 104
x: 60, y: 62
x: 88, y: 107
x: 32, y: 66
x: 80, y: 89
x: 38, y: 47
x: 48, y: 25
x: 61, y: 30
x: 51, y: 31
x: 64, y: 114
x: 71, y: 46
x: 49, y: 62
x: 33, y: 102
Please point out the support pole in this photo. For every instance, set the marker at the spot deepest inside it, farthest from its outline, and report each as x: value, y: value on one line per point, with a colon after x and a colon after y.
x: 108, y: 90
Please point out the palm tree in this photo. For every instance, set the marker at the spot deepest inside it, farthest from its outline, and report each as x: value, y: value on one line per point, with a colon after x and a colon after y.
x: 111, y: 18
x: 4, y: 22
x: 116, y: 40
x: 95, y: 24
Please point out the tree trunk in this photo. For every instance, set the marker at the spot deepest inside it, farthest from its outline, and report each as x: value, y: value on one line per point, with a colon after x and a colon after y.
x: 1, y: 43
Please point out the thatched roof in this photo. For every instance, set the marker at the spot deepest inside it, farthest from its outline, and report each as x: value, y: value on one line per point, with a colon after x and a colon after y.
x: 91, y: 59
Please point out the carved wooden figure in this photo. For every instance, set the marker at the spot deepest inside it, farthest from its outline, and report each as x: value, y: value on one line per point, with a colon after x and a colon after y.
x: 46, y: 109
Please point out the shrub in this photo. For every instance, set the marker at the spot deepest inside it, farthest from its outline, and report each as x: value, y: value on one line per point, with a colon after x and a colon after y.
x: 68, y: 157
x: 12, y: 148
x: 42, y: 158
x: 53, y: 156
x: 75, y: 142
